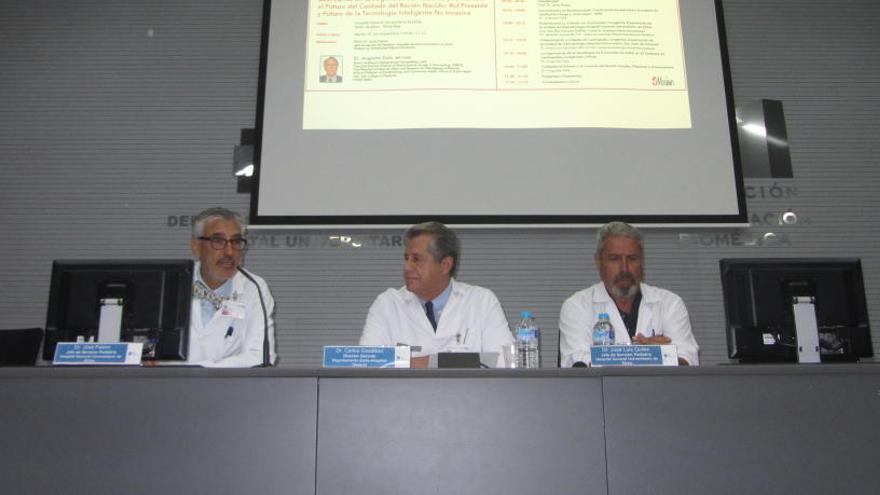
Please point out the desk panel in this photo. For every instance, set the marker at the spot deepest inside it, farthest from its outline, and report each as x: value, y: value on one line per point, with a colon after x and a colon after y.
x: 461, y: 436
x: 762, y: 433
x: 139, y: 434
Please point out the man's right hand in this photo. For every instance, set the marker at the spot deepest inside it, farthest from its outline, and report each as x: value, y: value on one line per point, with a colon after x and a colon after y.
x: 419, y: 362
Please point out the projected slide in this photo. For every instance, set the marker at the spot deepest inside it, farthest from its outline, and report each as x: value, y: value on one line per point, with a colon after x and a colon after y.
x: 408, y: 64
x: 494, y: 112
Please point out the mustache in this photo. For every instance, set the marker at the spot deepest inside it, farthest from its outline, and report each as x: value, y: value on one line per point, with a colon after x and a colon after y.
x: 625, y: 277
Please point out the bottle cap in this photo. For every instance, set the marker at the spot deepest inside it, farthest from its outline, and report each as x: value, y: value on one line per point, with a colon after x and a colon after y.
x: 526, y: 314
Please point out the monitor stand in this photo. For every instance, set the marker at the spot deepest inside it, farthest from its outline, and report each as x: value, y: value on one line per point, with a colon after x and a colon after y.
x: 807, y: 329
x: 110, y: 322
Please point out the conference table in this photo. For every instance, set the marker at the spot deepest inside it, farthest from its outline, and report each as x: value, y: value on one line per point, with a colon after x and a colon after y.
x: 710, y: 429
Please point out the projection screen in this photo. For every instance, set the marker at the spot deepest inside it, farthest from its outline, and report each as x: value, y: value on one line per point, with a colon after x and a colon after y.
x: 538, y: 112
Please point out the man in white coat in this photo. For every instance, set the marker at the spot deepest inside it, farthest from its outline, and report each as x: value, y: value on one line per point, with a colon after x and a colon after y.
x: 228, y: 320
x: 433, y: 310
x: 640, y: 313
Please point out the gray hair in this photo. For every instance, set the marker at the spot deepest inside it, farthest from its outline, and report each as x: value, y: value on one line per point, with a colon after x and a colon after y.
x: 444, y: 241
x: 617, y: 229
x: 212, y: 214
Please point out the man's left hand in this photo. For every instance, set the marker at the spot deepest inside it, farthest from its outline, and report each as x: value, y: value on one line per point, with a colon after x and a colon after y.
x: 655, y: 340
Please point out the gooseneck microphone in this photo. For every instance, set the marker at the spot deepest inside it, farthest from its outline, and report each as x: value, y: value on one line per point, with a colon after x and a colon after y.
x: 248, y: 276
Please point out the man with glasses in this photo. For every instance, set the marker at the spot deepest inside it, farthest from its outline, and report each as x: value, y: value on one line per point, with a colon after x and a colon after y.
x: 227, y: 324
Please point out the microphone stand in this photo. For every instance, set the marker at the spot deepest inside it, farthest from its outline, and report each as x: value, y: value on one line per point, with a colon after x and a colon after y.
x: 248, y: 276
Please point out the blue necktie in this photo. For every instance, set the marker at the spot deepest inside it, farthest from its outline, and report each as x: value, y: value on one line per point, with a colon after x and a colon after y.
x: 429, y: 310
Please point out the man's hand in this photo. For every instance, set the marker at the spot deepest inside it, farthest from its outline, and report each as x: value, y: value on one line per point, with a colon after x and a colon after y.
x: 655, y: 340
x: 419, y: 362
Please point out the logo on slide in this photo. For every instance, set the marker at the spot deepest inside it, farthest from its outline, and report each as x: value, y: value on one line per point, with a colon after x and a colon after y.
x: 659, y: 81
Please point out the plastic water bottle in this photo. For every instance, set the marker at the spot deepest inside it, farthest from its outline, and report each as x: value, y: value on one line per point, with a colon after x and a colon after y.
x: 528, y: 338
x: 603, y: 331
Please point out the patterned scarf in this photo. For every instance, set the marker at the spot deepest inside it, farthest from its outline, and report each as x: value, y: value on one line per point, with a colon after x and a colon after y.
x: 203, y: 292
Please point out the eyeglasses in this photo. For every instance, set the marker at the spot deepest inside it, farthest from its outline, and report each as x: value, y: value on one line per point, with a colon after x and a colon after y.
x: 218, y: 243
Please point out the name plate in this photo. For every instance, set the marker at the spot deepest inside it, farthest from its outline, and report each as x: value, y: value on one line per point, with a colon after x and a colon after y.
x: 98, y: 353
x: 365, y: 356
x: 634, y: 355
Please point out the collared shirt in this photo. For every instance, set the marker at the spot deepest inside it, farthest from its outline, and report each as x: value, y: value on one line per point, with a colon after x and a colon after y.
x: 439, y: 302
x: 631, y: 319
x: 660, y: 313
x: 224, y: 291
x: 474, y: 313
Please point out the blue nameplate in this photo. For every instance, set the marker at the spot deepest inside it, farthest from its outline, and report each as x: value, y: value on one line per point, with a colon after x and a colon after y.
x: 95, y: 353
x: 362, y: 356
x: 634, y: 355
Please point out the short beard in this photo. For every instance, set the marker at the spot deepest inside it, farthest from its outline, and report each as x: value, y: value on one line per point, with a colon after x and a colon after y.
x: 629, y: 293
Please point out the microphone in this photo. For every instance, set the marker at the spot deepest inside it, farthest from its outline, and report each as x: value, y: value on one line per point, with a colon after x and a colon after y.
x: 265, y: 317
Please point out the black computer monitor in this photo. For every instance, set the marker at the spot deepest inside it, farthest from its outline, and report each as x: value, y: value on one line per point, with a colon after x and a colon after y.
x: 156, y: 300
x: 758, y: 310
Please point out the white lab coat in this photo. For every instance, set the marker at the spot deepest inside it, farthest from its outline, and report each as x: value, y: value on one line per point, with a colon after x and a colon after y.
x: 212, y: 345
x: 472, y: 321
x: 661, y: 312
